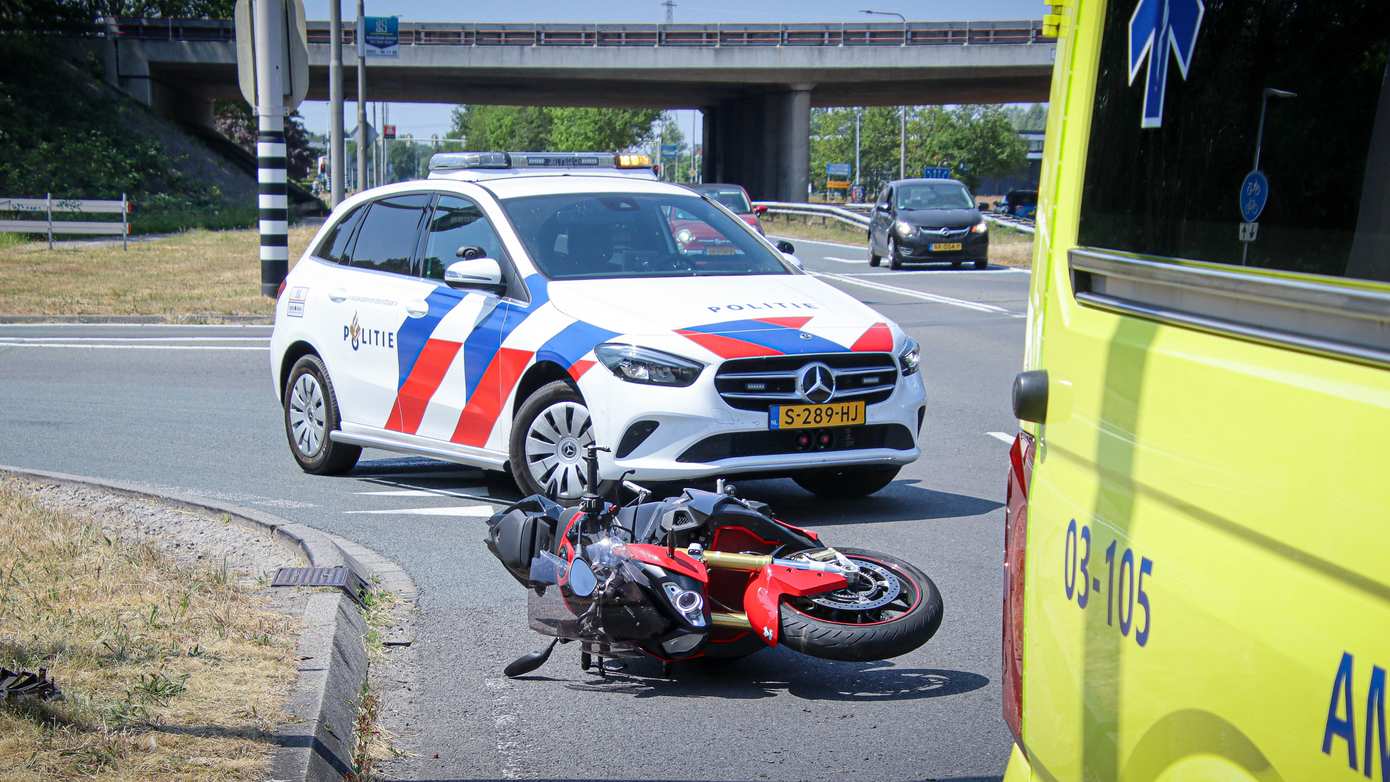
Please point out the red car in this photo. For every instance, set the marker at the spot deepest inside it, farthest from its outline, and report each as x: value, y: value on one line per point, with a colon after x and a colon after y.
x: 736, y: 199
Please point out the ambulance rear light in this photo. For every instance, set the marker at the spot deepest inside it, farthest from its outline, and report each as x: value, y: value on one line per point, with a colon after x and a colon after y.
x: 1015, y: 545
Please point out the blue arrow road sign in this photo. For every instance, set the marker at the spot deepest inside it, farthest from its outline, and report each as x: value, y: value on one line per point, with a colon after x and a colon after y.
x: 1254, y: 194
x: 936, y: 172
x: 1155, y: 27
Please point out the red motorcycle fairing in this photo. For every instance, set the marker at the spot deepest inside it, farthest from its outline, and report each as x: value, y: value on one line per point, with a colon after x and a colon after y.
x: 681, y: 563
x: 762, y: 599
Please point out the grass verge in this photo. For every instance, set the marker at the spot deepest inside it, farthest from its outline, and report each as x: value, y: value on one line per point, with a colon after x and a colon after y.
x: 373, y: 742
x: 195, y: 276
x: 1007, y: 246
x: 168, y: 672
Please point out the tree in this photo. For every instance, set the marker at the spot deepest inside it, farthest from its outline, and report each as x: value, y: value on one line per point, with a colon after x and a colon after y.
x: 502, y: 128
x: 562, y: 129
x: 235, y: 120
x: 1031, y: 117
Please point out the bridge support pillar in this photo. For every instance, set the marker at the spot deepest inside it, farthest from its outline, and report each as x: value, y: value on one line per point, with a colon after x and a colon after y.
x: 763, y: 142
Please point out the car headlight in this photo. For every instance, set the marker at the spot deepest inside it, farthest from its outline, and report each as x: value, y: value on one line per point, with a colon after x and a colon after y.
x: 911, y: 357
x: 904, y: 229
x: 980, y: 227
x: 644, y: 365
x: 684, y: 236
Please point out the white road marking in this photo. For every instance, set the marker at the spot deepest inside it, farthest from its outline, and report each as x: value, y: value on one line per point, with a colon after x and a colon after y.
x: 463, y: 511
x: 794, y: 240
x: 401, y: 493
x: 845, y: 260
x: 440, y: 492
x: 39, y: 340
x: 932, y: 297
x: 79, y: 346
x: 1001, y: 437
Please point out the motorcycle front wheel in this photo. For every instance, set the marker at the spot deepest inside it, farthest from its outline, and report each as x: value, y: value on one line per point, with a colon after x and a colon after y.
x: 893, y: 609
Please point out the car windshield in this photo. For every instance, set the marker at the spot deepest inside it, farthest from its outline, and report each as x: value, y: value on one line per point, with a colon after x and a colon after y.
x: 607, y: 235
x: 732, y: 198
x: 934, y: 195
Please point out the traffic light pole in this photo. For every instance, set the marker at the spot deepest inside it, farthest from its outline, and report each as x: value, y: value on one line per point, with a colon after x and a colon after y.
x: 273, y: 194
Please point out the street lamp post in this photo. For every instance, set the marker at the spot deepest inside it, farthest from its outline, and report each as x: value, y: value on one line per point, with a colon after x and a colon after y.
x: 902, y: 120
x: 858, y: 117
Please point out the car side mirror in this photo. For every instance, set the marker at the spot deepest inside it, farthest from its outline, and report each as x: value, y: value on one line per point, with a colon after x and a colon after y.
x: 483, y: 273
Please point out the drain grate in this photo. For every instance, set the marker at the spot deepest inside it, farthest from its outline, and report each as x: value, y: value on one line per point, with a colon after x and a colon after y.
x: 344, y: 578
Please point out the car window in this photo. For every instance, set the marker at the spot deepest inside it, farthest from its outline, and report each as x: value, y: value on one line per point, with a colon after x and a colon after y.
x: 595, y: 235
x: 1171, y: 177
x: 933, y: 195
x: 391, y: 229
x: 735, y: 200
x: 885, y: 196
x: 457, y: 223
x: 337, y: 242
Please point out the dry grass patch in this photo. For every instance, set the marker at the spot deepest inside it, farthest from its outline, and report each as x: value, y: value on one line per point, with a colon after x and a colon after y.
x: 195, y: 276
x: 168, y: 672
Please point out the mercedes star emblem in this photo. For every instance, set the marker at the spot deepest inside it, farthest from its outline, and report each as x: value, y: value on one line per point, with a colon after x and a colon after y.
x: 817, y: 383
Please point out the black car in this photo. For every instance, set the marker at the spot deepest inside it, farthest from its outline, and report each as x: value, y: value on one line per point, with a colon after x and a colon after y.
x: 927, y: 220
x: 1020, y: 203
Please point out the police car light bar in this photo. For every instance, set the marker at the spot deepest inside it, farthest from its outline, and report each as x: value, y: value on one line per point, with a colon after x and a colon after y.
x: 459, y: 161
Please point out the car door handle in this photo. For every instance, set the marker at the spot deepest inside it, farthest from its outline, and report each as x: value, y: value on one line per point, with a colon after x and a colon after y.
x: 417, y: 309
x: 337, y: 294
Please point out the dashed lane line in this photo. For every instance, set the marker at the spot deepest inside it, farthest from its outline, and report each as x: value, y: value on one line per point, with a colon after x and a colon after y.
x: 920, y: 295
x: 1001, y: 437
x: 79, y: 346
x: 461, y: 511
x: 844, y: 260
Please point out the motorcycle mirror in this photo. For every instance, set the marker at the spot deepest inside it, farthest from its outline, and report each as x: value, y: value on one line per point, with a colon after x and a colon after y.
x: 529, y: 662
x: 582, y: 579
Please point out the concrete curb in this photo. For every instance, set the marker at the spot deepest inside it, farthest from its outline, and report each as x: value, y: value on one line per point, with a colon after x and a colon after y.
x: 317, y: 743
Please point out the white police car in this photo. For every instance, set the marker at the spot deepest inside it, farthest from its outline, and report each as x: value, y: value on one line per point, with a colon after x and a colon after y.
x: 515, y: 307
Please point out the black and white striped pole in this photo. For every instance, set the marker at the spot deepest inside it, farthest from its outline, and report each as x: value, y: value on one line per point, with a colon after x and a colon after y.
x: 272, y: 190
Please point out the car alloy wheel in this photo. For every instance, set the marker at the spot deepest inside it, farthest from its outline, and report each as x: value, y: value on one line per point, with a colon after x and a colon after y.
x: 555, y: 443
x: 308, y: 423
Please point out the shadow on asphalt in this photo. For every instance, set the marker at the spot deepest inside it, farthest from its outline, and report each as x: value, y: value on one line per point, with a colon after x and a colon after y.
x: 769, y: 674
x: 903, y: 500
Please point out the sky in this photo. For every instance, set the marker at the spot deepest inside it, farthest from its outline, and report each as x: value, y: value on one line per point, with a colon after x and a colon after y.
x: 425, y: 119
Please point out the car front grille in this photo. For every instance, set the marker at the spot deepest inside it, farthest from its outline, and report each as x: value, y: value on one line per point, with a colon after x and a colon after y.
x: 796, y: 441
x: 756, y: 383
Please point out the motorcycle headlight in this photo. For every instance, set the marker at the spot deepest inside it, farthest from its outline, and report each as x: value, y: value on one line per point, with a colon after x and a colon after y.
x: 980, y: 227
x: 904, y: 229
x: 644, y: 365
x: 911, y: 357
x: 687, y: 602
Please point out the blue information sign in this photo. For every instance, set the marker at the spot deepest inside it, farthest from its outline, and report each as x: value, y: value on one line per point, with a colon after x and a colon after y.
x: 667, y: 150
x: 837, y: 169
x: 936, y: 172
x: 1254, y: 194
x: 382, y: 37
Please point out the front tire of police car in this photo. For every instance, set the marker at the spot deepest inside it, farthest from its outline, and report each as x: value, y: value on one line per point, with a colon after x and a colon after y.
x: 842, y: 483
x: 549, y: 435
x: 311, y: 415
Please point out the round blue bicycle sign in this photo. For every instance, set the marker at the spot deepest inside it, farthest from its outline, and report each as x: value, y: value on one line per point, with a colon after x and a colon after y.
x: 1254, y: 194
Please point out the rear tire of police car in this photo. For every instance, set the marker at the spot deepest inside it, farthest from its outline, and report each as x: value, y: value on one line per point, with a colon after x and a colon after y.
x: 842, y: 483
x: 311, y: 415
x: 555, y: 408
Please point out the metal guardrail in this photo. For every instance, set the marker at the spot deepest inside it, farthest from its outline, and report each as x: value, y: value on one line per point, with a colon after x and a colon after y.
x: 849, y: 213
x: 816, y: 210
x: 1020, y: 32
x: 48, y: 206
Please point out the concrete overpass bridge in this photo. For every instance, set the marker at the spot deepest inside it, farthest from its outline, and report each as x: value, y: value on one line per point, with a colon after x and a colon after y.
x: 754, y: 83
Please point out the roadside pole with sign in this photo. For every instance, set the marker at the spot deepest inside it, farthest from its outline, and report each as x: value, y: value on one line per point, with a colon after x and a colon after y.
x: 837, y: 177
x: 273, y: 73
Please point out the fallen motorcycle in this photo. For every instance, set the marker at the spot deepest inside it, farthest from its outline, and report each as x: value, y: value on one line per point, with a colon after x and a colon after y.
x: 704, y: 574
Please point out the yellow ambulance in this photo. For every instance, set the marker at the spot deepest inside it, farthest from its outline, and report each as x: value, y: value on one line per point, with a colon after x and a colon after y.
x: 1197, y: 543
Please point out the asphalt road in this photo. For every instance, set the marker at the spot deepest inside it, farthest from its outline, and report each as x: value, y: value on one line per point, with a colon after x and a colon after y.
x: 192, y: 408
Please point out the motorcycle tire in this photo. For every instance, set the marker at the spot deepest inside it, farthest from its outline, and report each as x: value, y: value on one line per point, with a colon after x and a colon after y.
x: 893, y: 630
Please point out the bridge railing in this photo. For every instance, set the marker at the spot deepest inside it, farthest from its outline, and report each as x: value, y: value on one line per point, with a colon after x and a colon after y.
x: 593, y: 35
